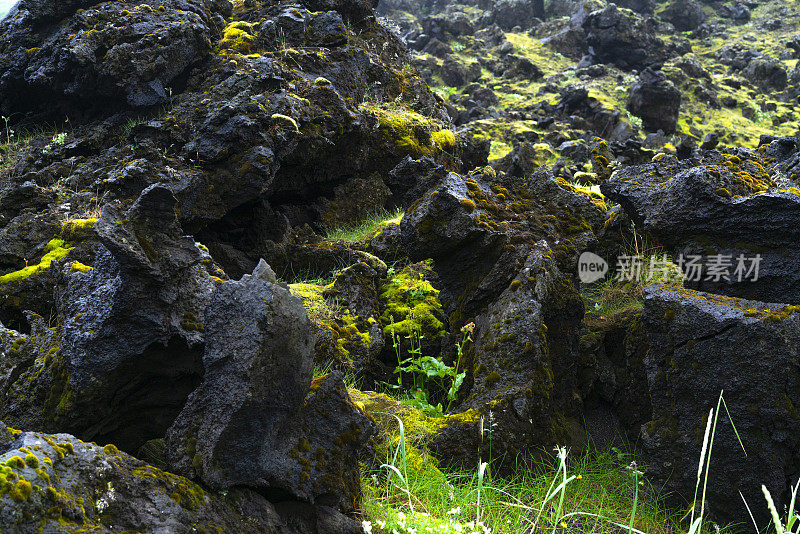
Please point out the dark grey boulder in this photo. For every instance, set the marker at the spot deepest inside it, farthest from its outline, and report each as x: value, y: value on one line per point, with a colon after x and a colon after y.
x: 767, y: 73
x: 258, y: 420
x: 700, y: 344
x: 128, y: 352
x: 622, y: 37
x: 655, y: 100
x: 53, y: 54
x: 685, y: 15
x: 62, y: 484
x: 726, y: 203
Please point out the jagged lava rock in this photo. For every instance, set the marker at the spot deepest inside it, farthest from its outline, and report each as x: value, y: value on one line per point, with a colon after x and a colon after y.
x: 701, y: 344
x: 57, y: 483
x: 258, y: 420
x: 656, y: 101
x: 52, y: 56
x: 129, y: 349
x: 731, y: 202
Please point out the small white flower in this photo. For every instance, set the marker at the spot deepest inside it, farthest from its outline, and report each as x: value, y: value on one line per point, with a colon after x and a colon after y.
x: 454, y: 511
x: 367, y: 526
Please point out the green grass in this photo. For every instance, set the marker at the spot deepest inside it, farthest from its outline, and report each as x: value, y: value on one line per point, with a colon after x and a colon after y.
x: 612, y: 300
x: 596, y: 492
x: 599, y: 497
x: 367, y: 228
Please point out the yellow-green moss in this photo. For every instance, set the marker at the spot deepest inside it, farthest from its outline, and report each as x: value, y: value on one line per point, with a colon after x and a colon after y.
x: 111, y: 449
x: 20, y: 491
x: 80, y: 267
x: 444, y: 139
x: 412, y: 133
x: 77, y: 229
x: 31, y: 460
x: 317, y: 307
x: 418, y: 428
x: 412, y: 305
x: 237, y: 37
x: 56, y: 249
x: 285, y: 119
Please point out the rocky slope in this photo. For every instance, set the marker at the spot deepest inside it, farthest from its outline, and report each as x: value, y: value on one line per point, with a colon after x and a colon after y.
x: 167, y: 167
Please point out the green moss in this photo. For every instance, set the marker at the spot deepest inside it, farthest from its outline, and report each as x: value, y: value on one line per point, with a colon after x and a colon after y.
x: 21, y: 490
x: 237, y: 37
x: 77, y: 266
x: 16, y: 462
x: 77, y: 229
x: 418, y: 428
x: 110, y: 449
x: 317, y: 307
x: 56, y: 249
x: 412, y: 305
x: 412, y: 133
x: 347, y: 331
x: 184, y: 492
x: 444, y: 139
x: 285, y: 119
x: 31, y: 460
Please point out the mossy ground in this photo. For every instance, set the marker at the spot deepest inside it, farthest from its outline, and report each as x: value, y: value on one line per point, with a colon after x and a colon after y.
x: 56, y: 249
x: 756, y: 111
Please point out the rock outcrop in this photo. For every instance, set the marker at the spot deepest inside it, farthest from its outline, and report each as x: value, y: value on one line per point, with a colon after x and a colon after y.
x: 57, y: 483
x: 257, y: 420
x: 104, y: 54
x: 656, y: 101
x: 128, y: 351
x: 701, y: 344
x: 726, y: 205
x: 504, y: 250
x: 623, y: 38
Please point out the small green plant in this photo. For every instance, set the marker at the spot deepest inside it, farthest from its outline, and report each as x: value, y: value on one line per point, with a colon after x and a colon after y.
x: 130, y: 124
x: 792, y: 525
x: 427, y: 372
x: 58, y: 140
x: 618, y: 295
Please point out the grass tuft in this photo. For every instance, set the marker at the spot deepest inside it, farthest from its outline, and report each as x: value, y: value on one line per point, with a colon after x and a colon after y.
x: 367, y: 228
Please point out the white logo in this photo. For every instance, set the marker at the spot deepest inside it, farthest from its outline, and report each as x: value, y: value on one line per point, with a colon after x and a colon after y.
x: 591, y: 267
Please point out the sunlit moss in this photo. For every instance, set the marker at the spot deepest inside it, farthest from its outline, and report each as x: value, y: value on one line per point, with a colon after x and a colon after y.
x: 56, y: 249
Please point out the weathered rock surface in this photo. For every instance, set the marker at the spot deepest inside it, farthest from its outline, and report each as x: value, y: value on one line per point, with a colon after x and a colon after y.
x: 257, y: 420
x: 726, y: 203
x: 623, y: 38
x: 128, y: 352
x: 701, y: 344
x: 656, y: 101
x: 504, y: 250
x: 685, y: 15
x: 57, y: 483
x: 107, y: 52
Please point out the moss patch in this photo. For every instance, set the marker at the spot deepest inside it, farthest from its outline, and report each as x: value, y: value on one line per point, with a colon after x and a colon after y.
x: 412, y: 304
x: 237, y: 37
x: 410, y: 132
x: 56, y: 249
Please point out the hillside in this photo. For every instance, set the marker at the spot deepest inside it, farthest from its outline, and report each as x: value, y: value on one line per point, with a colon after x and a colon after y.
x: 344, y: 266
